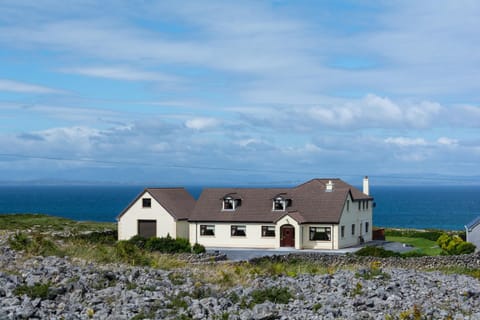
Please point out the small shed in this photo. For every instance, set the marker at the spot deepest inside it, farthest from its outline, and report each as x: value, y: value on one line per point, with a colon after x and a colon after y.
x: 473, y: 232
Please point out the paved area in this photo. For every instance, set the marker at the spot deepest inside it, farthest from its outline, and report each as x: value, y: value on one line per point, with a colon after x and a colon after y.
x: 237, y: 254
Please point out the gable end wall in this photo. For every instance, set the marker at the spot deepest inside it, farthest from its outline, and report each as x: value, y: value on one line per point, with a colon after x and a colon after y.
x: 166, y: 224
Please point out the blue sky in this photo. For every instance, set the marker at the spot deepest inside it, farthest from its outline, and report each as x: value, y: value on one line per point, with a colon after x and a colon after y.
x: 239, y: 92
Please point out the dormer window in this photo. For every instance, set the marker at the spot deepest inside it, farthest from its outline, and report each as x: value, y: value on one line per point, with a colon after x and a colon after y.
x: 280, y: 203
x: 230, y: 203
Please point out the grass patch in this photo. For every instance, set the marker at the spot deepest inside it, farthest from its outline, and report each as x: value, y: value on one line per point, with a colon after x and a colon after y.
x: 431, y: 235
x: 38, y: 290
x: 46, y: 223
x: 472, y: 272
x: 422, y: 245
x: 280, y: 295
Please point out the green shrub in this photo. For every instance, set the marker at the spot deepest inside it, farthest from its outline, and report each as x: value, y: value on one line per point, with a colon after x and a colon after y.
x: 98, y: 237
x: 465, y: 248
x: 198, y: 248
x: 276, y: 295
x: 129, y: 253
x: 413, y: 254
x: 454, y: 245
x: 168, y: 245
x: 138, y: 241
x: 373, y: 251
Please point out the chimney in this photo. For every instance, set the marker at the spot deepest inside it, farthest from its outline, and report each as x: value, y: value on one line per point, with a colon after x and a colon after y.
x: 366, y: 188
x: 329, y: 186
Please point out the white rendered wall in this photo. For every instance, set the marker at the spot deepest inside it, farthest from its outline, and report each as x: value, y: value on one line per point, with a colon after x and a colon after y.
x: 128, y: 222
x: 357, y: 217
x: 223, y: 238
x: 474, y: 237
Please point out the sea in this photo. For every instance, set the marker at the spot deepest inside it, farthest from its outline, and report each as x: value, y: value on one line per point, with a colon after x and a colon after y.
x: 419, y: 207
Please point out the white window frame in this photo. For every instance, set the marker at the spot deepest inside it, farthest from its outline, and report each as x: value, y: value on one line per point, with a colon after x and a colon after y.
x: 268, y: 229
x: 229, y: 200
x: 238, y: 228
x: 206, y: 227
x: 279, y: 200
x: 326, y: 230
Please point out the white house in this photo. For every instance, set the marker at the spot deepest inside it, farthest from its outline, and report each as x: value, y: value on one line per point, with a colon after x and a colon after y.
x: 473, y: 233
x: 318, y: 214
x: 157, y: 212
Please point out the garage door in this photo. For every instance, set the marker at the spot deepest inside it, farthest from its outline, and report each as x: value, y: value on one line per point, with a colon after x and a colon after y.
x: 147, y: 228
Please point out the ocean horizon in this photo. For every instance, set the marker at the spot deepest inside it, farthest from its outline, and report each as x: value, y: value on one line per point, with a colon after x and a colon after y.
x: 419, y: 207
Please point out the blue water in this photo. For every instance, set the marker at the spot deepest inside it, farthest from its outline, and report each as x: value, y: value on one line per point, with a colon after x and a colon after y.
x: 437, y: 207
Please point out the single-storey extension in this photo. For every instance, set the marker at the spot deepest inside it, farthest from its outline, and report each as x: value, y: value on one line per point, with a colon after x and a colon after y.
x: 318, y: 214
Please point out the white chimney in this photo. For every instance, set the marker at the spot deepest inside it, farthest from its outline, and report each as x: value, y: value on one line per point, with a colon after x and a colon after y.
x: 366, y: 188
x: 329, y: 186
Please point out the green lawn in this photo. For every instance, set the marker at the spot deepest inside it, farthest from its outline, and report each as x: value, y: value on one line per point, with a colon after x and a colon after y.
x: 425, y: 246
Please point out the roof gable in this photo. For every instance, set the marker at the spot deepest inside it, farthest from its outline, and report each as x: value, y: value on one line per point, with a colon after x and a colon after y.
x: 473, y: 224
x: 178, y: 202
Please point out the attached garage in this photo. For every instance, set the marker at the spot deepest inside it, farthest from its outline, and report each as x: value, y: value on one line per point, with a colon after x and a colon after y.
x: 157, y: 212
x: 147, y: 228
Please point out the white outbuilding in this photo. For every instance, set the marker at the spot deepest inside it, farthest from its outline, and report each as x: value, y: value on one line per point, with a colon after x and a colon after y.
x: 473, y: 232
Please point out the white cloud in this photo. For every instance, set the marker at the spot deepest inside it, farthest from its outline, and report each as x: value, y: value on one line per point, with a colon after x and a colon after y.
x: 406, y: 142
x: 447, y: 141
x: 201, y: 123
x: 121, y: 73
x: 22, y: 87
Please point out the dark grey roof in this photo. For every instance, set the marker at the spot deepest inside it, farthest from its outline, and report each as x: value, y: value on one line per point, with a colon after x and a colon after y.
x: 473, y: 224
x: 177, y: 201
x: 310, y: 203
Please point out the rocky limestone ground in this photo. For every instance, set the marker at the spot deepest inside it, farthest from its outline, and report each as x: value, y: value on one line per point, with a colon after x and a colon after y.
x: 75, y: 289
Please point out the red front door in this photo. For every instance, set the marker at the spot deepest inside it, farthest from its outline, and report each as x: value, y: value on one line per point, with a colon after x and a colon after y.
x: 287, y: 236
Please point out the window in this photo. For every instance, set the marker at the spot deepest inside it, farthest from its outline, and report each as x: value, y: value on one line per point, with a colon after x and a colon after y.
x: 342, y: 231
x: 279, y: 204
x: 238, y: 231
x: 228, y: 203
x: 268, y: 231
x: 348, y: 205
x: 359, y: 205
x: 353, y: 229
x: 319, y: 233
x: 207, y: 230
x: 367, y: 204
x: 146, y: 203
x: 363, y: 204
x: 366, y: 227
